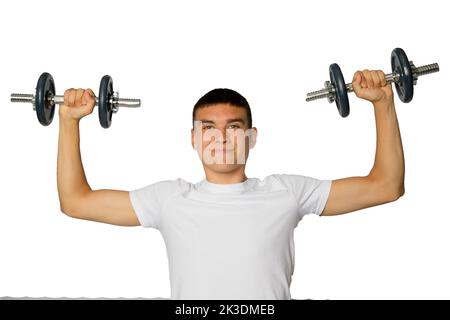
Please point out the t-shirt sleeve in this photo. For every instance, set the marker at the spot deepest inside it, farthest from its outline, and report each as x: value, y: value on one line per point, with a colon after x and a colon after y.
x: 149, y: 201
x: 310, y: 194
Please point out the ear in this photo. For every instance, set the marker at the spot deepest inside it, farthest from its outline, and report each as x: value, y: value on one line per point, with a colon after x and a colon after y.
x: 253, y: 135
x: 193, y: 139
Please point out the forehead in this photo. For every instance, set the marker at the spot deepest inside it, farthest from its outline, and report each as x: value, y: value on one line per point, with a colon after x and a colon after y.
x: 220, y: 111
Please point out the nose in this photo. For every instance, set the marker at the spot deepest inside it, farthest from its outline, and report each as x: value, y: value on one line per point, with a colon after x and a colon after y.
x: 223, y: 139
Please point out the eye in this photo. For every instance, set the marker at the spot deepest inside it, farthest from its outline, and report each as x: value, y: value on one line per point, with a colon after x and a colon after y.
x: 207, y: 127
x: 234, y: 126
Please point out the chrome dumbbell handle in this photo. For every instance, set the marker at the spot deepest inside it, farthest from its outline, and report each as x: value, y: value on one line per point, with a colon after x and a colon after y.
x: 329, y: 90
x: 116, y: 102
x: 390, y: 77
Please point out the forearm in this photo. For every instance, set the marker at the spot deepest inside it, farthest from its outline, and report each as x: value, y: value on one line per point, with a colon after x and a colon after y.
x: 389, y: 165
x: 71, y: 179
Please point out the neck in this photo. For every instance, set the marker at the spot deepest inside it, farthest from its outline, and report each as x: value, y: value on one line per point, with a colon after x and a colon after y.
x: 235, y: 176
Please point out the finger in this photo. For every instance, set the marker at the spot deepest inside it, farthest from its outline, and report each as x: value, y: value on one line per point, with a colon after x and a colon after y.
x: 376, y: 79
x: 91, y: 93
x: 356, y: 82
x: 66, y: 97
x: 78, y: 96
x: 72, y: 96
x: 363, y: 80
x: 88, y: 97
x: 368, y: 77
x: 382, y: 78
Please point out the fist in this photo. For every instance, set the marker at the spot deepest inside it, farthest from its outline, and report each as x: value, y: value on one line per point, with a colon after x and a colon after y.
x: 77, y: 104
x: 372, y: 86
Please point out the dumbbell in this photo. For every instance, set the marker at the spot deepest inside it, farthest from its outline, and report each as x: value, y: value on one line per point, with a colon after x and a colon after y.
x: 44, y: 100
x: 404, y: 75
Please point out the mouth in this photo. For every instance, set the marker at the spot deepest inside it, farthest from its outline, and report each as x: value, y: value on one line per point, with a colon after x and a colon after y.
x: 223, y: 148
x: 223, y: 151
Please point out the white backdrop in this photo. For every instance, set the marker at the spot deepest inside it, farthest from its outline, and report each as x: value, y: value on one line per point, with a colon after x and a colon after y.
x: 169, y: 53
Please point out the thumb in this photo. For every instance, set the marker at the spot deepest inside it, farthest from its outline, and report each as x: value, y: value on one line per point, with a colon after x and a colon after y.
x: 356, y: 83
x: 88, y: 96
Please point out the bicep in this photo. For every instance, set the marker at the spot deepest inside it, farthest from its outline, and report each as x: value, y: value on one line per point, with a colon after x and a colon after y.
x: 354, y: 193
x: 107, y: 206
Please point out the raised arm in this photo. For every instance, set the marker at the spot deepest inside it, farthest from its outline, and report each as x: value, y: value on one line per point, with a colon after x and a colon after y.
x: 76, y: 197
x: 385, y: 182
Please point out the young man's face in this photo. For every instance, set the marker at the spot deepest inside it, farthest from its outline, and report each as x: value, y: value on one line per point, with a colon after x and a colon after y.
x: 222, y: 137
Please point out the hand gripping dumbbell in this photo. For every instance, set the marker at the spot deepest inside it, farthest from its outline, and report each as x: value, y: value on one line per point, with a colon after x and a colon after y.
x: 404, y: 75
x: 44, y: 100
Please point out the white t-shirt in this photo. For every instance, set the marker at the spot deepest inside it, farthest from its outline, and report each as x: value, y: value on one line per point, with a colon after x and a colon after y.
x: 230, y: 241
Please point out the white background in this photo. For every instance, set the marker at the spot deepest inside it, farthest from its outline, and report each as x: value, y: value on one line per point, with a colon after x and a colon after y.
x: 169, y: 53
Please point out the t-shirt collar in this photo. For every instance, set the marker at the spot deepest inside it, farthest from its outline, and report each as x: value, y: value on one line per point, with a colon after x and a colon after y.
x: 205, y: 185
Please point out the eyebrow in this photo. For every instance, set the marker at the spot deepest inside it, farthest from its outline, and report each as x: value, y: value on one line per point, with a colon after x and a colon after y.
x: 228, y: 121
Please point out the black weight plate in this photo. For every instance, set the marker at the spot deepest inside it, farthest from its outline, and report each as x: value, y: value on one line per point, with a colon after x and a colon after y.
x: 337, y: 80
x: 44, y: 109
x: 104, y: 101
x: 400, y: 65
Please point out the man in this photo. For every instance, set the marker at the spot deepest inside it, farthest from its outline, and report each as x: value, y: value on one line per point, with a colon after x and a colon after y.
x: 229, y: 236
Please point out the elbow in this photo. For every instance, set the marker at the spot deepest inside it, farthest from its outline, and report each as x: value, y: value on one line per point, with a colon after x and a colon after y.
x: 388, y: 191
x: 68, y: 209
x: 395, y: 193
x: 401, y: 191
x: 72, y: 206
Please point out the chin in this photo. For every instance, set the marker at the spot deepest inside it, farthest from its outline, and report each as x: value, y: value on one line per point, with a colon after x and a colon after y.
x: 224, y: 168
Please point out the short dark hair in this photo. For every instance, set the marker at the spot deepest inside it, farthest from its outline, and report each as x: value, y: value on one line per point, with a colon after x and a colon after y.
x: 223, y: 95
